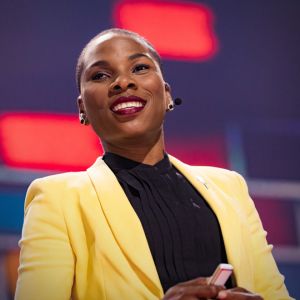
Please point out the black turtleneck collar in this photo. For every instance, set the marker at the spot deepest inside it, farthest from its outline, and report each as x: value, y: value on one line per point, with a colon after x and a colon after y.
x: 117, y: 163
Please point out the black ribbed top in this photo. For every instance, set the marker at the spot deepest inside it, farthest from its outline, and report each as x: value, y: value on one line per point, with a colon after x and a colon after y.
x: 182, y: 231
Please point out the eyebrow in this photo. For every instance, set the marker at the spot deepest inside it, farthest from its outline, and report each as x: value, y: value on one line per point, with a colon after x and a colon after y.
x: 137, y: 55
x: 104, y: 63
x: 99, y: 63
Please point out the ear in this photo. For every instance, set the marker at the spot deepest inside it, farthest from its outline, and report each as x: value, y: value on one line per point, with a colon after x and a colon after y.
x: 80, y: 105
x: 167, y: 87
x: 169, y: 99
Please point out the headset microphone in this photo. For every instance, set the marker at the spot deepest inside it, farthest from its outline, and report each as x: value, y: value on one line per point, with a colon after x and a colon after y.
x: 177, y: 101
x: 171, y: 106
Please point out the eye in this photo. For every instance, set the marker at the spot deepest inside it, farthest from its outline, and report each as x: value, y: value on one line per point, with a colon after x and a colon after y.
x: 99, y: 76
x: 140, y: 68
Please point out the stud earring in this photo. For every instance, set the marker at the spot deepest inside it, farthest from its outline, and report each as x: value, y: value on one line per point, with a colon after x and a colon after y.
x: 170, y: 106
x: 83, y: 119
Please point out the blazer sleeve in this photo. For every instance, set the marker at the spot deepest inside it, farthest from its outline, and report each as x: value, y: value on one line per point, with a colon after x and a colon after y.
x: 267, y: 279
x: 46, y: 267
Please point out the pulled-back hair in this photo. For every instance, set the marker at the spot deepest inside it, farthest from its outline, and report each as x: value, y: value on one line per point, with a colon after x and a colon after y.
x: 80, y: 61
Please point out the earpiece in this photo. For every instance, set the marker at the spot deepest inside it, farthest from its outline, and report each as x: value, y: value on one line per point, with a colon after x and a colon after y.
x: 83, y: 119
x: 171, y: 106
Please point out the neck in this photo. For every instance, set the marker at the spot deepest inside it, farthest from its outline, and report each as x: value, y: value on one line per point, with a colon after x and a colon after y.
x: 144, y: 152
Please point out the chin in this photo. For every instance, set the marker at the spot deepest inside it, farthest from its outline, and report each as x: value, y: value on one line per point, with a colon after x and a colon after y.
x: 140, y: 135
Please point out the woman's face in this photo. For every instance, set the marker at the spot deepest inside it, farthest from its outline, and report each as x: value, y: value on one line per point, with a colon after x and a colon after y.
x: 122, y: 90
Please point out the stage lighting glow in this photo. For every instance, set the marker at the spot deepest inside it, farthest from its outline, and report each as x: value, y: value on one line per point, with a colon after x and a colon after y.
x: 178, y: 30
x: 204, y: 151
x: 47, y: 141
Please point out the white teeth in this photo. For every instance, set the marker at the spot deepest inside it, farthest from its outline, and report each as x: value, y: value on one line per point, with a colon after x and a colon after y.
x: 127, y: 105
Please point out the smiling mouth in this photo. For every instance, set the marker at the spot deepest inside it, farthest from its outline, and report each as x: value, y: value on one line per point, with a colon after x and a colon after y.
x: 128, y: 105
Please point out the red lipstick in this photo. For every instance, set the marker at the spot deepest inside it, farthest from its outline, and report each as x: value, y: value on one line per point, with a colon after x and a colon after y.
x: 128, y: 105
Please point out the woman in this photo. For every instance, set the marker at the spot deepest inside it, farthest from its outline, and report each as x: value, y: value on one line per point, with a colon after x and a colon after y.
x: 139, y: 224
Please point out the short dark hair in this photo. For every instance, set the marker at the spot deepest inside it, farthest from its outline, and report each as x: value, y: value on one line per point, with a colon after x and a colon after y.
x: 80, y: 61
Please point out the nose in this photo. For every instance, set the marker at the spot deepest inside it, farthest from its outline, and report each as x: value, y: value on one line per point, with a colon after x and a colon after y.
x: 121, y: 84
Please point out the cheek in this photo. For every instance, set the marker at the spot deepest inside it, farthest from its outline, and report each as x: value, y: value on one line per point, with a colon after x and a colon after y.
x: 155, y: 87
x: 94, y: 97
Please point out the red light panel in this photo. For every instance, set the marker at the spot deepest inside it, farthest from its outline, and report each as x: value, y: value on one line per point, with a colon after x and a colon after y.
x: 178, y: 30
x: 59, y: 142
x: 278, y: 220
x: 205, y: 151
x: 47, y: 141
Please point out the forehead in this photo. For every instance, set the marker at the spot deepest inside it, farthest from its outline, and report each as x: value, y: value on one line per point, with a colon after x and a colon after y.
x: 114, y: 46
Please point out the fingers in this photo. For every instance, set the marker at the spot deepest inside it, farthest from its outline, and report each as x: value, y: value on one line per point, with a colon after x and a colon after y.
x: 199, y: 289
x: 196, y: 281
x: 192, y: 291
x: 238, y: 294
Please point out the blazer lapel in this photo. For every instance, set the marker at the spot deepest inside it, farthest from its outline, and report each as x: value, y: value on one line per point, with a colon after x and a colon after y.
x: 124, y: 223
x: 129, y: 233
x: 222, y: 205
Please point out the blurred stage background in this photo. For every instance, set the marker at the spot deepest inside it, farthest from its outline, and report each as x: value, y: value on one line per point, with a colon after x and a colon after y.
x: 235, y: 63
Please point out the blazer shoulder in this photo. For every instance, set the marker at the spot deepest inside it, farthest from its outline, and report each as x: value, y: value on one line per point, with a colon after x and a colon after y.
x: 216, y: 173
x: 224, y: 179
x: 227, y: 179
x: 63, y: 180
x: 58, y: 184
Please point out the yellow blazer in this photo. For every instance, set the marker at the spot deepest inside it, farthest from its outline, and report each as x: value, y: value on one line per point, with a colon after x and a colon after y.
x: 82, y: 239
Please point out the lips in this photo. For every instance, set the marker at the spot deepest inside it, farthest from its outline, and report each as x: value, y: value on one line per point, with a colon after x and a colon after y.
x: 128, y: 105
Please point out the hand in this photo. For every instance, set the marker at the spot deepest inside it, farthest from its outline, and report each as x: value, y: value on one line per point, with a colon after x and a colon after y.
x: 193, y: 289
x: 238, y: 294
